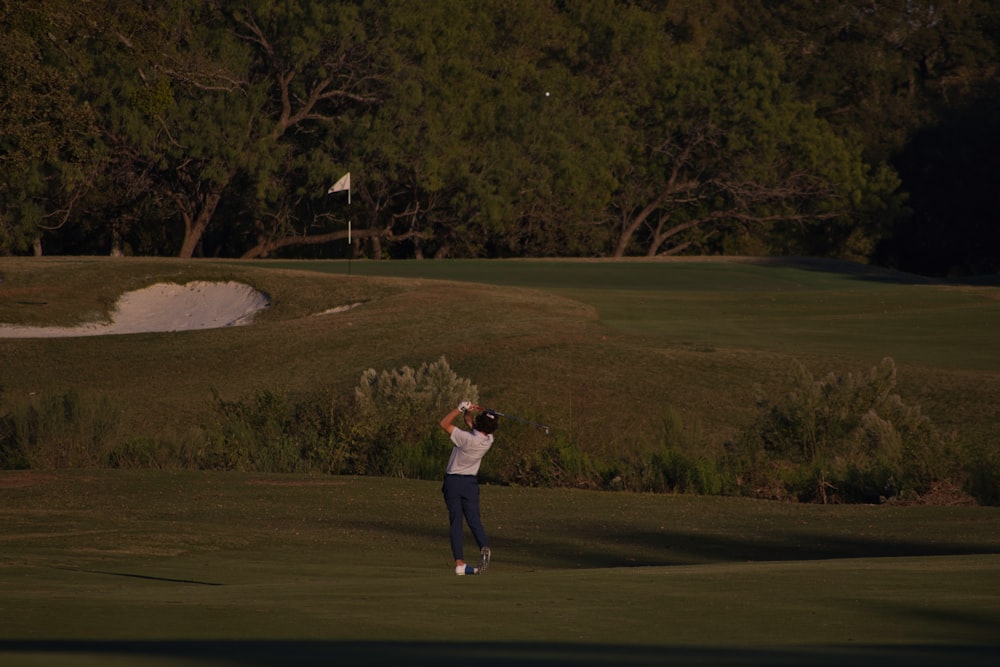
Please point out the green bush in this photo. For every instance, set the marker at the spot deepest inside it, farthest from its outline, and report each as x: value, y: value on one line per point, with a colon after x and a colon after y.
x: 432, y: 387
x: 61, y: 431
x: 11, y: 456
x: 393, y: 425
x: 669, y: 470
x: 421, y: 459
x: 983, y: 475
x: 552, y: 462
x: 390, y: 428
x: 269, y: 432
x: 140, y: 453
x: 843, y: 438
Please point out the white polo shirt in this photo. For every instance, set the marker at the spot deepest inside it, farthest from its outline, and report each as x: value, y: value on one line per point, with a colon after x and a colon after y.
x: 469, y: 450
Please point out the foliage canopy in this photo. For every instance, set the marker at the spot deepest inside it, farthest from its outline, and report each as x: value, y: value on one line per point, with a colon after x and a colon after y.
x: 517, y: 128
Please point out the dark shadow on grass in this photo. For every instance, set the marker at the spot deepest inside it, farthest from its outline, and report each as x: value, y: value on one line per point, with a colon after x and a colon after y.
x: 132, y: 575
x: 854, y: 270
x: 871, y: 272
x: 682, y: 548
x: 954, y: 624
x: 265, y: 653
x: 588, y: 545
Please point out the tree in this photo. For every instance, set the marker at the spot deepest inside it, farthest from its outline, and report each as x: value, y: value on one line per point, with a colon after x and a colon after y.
x: 49, y: 152
x: 952, y: 169
x: 724, y: 147
x: 220, y: 105
x: 898, y: 77
x: 878, y: 70
x: 416, y: 149
x: 468, y: 155
x: 324, y: 63
x: 517, y: 127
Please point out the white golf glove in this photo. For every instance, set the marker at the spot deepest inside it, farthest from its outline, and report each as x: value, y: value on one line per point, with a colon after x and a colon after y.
x: 465, y: 406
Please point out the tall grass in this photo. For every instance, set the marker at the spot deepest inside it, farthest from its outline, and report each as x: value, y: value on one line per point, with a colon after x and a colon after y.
x: 60, y: 431
x: 841, y: 438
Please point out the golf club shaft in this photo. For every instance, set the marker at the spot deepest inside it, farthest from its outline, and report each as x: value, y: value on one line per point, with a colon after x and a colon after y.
x: 517, y: 419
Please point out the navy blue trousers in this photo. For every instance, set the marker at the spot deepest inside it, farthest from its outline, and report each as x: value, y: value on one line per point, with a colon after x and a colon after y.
x: 461, y: 496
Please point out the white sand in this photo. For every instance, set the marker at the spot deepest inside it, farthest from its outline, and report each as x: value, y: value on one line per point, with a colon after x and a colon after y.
x: 164, y: 307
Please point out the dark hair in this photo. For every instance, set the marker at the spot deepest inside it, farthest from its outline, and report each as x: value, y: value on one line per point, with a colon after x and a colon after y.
x: 486, y: 422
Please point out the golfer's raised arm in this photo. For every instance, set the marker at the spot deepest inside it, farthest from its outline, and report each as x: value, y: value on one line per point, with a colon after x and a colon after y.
x: 446, y: 422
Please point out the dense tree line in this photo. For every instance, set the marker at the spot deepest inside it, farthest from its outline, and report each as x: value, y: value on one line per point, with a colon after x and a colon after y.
x: 856, y: 129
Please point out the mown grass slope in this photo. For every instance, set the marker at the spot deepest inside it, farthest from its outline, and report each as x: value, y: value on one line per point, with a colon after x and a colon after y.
x: 601, y: 350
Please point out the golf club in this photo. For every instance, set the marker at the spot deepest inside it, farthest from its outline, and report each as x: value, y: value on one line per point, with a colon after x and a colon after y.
x: 542, y: 427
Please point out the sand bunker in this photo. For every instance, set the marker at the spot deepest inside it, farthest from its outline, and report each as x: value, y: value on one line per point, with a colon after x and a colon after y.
x: 164, y: 307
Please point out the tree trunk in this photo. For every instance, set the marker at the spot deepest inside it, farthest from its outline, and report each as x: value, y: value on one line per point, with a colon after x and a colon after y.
x: 265, y: 248
x: 194, y: 230
x: 631, y: 226
x: 116, y: 239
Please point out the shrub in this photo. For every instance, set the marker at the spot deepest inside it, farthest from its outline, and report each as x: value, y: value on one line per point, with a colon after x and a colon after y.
x: 670, y: 470
x: 62, y: 431
x: 845, y: 437
x: 393, y: 425
x: 142, y: 453
x: 983, y: 475
x: 390, y: 428
x: 268, y: 432
x: 553, y: 462
x: 422, y: 459
x: 11, y: 456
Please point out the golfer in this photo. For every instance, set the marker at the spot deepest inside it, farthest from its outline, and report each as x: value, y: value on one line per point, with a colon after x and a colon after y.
x: 461, y: 484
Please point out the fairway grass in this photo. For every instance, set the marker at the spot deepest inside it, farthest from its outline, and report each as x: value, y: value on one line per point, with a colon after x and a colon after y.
x: 224, y: 568
x: 815, y: 306
x: 169, y: 567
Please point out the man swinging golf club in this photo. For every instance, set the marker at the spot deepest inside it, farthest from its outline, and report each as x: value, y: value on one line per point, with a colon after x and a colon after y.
x: 461, y: 482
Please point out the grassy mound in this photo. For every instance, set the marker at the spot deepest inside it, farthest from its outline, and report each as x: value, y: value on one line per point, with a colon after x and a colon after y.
x: 627, y: 361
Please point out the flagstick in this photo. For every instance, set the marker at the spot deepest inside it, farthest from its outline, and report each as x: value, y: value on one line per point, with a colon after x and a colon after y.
x: 344, y: 183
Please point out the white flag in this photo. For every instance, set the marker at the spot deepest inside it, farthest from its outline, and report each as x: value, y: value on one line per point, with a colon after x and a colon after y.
x: 343, y: 184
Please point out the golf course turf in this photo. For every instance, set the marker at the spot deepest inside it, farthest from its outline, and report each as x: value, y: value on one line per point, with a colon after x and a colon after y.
x: 171, y: 566
x: 218, y: 568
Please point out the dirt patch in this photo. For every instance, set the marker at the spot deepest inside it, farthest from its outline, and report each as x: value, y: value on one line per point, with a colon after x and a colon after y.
x: 15, y: 479
x: 946, y: 494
